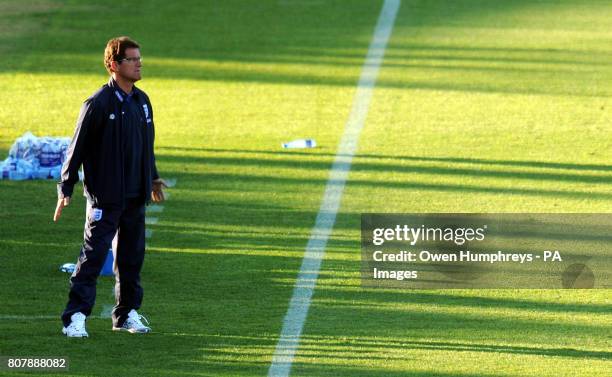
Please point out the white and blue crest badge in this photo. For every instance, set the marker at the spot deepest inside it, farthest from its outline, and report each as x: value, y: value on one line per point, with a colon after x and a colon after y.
x: 97, y: 214
x: 146, y: 111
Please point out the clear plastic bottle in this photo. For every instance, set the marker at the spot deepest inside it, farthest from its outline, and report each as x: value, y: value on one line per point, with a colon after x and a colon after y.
x: 300, y: 143
x: 68, y: 267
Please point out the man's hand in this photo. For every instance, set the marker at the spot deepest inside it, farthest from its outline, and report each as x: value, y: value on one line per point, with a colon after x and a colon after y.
x: 158, y: 193
x: 61, y: 203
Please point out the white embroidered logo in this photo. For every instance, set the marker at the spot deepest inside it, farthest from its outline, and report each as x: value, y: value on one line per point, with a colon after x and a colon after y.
x: 146, y: 110
x: 111, y: 117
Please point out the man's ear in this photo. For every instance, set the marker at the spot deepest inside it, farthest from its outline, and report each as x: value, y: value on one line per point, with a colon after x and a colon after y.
x: 114, y: 66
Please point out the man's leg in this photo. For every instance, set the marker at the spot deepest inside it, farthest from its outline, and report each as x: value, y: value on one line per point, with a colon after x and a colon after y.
x: 130, y: 250
x: 100, y: 228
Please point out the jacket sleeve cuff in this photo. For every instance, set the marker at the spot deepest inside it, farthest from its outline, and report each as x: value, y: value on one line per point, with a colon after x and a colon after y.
x: 154, y: 173
x: 64, y: 190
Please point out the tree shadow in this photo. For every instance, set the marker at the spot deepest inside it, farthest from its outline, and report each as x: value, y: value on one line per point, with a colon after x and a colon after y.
x: 405, y: 344
x: 461, y: 160
x: 407, y: 166
x: 316, y: 36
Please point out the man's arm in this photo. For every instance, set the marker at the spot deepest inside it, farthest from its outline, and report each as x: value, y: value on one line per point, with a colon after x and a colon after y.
x: 74, y: 158
x: 154, y: 173
x: 157, y: 194
x: 159, y: 184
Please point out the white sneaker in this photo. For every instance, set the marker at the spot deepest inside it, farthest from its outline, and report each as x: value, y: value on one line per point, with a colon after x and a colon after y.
x: 133, y: 324
x: 76, y: 328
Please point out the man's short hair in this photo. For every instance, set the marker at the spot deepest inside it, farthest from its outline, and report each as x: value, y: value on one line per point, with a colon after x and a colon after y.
x: 115, y: 50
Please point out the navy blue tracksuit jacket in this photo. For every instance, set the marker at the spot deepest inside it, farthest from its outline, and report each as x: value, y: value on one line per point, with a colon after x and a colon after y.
x: 97, y: 145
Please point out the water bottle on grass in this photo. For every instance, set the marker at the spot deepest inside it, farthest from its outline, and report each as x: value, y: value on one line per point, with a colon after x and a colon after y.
x: 300, y: 143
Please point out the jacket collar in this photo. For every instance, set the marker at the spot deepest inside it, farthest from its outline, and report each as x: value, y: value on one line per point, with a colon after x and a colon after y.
x: 119, y: 93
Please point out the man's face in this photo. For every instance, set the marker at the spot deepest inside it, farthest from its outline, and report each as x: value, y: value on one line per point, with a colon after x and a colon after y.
x: 129, y: 68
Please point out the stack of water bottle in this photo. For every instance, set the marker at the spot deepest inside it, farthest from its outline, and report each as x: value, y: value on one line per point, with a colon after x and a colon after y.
x: 34, y: 157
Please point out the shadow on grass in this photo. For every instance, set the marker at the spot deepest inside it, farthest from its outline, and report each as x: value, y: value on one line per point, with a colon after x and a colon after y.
x: 398, y: 158
x: 261, y: 183
x: 377, y: 299
x: 297, y: 161
x: 408, y: 166
x: 458, y: 160
x: 373, y: 345
x: 243, y: 293
x: 323, y: 36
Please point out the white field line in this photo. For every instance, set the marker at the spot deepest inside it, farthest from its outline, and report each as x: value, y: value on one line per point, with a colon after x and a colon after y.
x: 315, y: 249
x: 31, y: 317
x: 171, y: 182
x: 12, y: 317
x: 151, y: 220
x: 107, y: 311
x: 155, y: 208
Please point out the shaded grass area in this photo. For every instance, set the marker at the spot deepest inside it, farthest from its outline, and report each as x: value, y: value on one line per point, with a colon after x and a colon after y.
x: 472, y: 62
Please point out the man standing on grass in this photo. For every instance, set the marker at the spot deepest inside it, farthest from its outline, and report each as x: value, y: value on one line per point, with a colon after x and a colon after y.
x: 113, y: 141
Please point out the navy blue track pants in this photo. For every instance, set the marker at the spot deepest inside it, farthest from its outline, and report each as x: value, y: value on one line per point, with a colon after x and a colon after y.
x: 101, y: 226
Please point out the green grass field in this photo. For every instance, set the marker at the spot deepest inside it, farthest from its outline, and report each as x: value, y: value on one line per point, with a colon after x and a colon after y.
x: 480, y: 106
